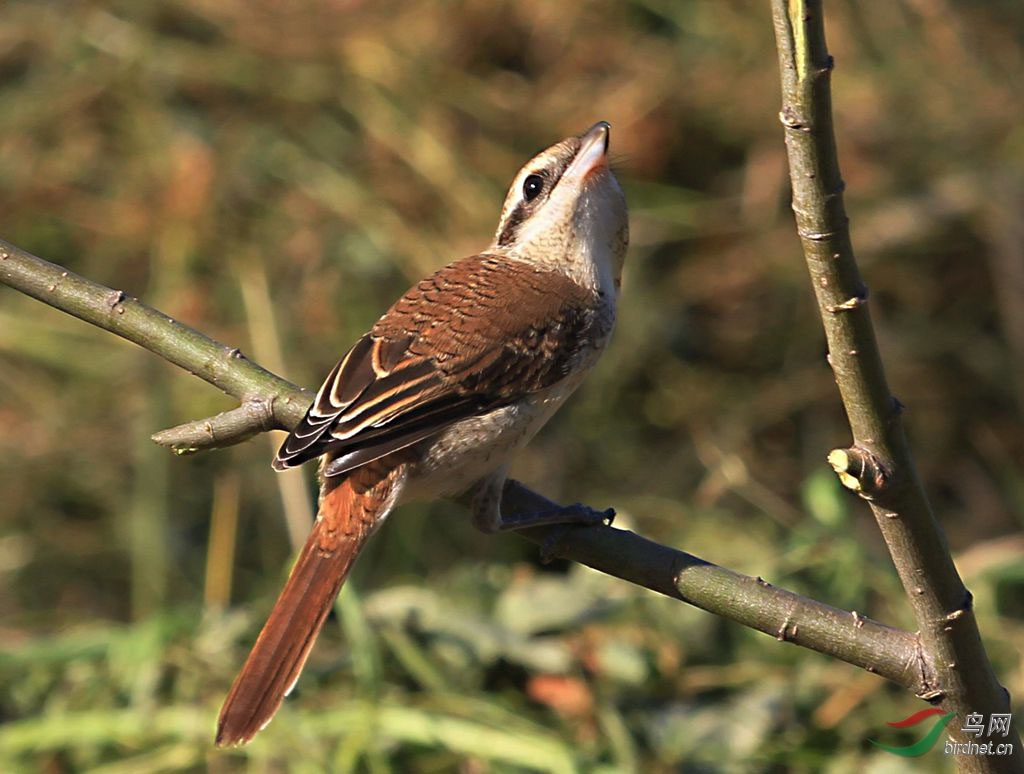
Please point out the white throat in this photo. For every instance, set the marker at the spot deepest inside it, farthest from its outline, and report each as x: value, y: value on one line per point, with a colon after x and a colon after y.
x: 587, y: 243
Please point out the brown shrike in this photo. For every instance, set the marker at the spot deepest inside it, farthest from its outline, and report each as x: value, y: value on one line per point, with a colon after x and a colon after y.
x: 454, y: 378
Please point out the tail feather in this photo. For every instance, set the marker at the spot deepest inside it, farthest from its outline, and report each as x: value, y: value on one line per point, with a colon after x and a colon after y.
x: 347, y: 517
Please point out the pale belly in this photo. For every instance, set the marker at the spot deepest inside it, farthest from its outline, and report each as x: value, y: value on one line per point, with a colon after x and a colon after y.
x: 472, y: 449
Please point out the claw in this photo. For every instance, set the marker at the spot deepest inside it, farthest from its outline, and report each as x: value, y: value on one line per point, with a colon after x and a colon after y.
x: 587, y: 516
x: 583, y: 516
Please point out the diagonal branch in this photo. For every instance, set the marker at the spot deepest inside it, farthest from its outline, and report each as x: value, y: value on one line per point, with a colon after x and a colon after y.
x: 848, y: 636
x: 879, y: 466
x: 222, y: 366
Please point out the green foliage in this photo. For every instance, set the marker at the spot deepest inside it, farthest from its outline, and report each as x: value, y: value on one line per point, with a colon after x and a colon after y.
x: 330, y: 153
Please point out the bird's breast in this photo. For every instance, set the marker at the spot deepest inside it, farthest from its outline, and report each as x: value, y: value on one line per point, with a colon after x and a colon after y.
x: 471, y: 449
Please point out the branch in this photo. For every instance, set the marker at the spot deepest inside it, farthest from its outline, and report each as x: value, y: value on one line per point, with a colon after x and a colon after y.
x: 848, y: 636
x: 223, y: 367
x: 753, y: 602
x: 254, y: 416
x: 879, y: 466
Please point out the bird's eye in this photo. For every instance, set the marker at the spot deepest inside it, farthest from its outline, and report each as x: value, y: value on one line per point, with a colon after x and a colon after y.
x: 532, y: 186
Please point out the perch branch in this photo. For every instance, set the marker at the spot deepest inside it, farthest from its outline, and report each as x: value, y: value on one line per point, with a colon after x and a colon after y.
x: 113, y: 310
x: 879, y: 466
x: 845, y: 635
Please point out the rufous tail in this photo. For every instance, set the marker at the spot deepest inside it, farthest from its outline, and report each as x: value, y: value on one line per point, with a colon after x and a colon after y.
x: 347, y: 517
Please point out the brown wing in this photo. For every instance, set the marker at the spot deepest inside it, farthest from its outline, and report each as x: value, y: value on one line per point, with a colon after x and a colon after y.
x: 480, y: 333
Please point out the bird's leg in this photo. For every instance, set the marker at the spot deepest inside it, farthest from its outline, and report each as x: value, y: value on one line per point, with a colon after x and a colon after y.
x: 488, y: 516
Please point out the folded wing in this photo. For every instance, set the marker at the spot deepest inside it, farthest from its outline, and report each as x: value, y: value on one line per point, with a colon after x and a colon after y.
x: 480, y: 333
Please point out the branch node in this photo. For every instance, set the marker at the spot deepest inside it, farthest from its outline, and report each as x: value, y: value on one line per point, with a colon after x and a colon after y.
x: 817, y: 236
x: 961, y: 612
x: 856, y: 302
x: 790, y: 120
x: 928, y: 689
x: 784, y: 632
x: 860, y: 471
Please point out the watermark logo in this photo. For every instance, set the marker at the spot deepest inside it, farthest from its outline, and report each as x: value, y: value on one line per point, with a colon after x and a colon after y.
x: 998, y: 725
x: 927, y: 742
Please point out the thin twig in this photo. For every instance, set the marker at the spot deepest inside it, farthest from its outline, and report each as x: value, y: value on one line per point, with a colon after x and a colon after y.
x: 252, y: 417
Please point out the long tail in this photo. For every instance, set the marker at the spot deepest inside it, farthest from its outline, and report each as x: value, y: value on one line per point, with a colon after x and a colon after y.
x: 348, y: 515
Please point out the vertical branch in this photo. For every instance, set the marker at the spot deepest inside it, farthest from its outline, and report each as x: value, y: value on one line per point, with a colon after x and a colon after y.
x: 955, y: 668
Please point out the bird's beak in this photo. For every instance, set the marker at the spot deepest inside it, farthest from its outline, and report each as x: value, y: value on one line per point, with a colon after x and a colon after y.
x: 593, y: 152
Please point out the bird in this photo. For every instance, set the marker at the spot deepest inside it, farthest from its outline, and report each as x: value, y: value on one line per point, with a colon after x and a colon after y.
x: 447, y: 385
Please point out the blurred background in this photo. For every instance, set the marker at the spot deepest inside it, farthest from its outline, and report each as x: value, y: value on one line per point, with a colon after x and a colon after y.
x: 275, y: 174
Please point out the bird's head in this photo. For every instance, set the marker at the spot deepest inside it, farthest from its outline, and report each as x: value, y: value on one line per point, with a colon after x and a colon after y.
x: 566, y: 211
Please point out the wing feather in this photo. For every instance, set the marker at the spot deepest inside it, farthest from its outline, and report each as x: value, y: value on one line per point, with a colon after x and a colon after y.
x: 478, y: 334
